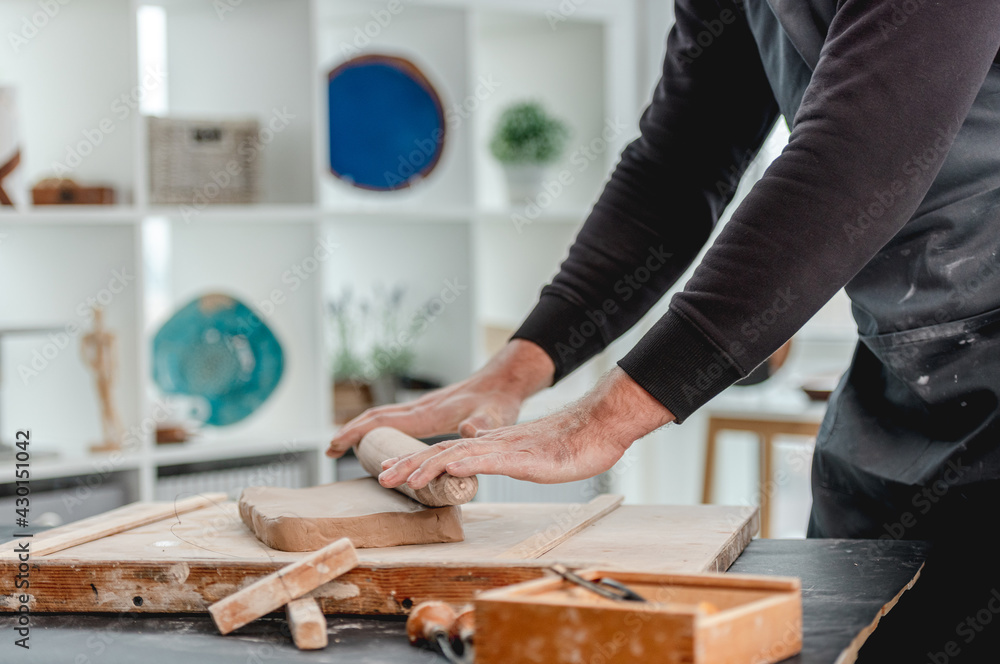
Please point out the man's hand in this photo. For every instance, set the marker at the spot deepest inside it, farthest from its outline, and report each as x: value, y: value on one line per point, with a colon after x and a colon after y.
x: 580, y: 441
x: 488, y: 399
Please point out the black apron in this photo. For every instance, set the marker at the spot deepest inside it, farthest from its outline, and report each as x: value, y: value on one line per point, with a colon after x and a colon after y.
x: 914, y: 421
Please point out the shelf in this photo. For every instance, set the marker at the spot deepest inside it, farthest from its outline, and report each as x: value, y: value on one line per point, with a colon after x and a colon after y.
x: 208, y: 450
x: 58, y: 215
x: 95, y: 464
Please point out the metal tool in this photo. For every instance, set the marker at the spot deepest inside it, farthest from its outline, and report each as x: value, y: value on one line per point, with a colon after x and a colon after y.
x: 607, y: 588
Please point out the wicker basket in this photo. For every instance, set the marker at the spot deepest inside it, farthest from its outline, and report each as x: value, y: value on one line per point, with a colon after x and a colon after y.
x: 200, y: 162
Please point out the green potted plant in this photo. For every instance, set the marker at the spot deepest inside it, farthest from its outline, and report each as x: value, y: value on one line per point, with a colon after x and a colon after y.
x: 372, y: 343
x: 525, y: 141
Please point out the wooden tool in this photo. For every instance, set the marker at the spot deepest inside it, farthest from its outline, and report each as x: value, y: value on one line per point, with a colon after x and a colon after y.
x: 287, y: 584
x: 431, y: 623
x: 388, y: 443
x: 307, y: 624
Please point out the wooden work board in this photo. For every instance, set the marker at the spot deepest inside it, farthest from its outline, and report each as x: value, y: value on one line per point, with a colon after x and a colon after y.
x: 183, y: 560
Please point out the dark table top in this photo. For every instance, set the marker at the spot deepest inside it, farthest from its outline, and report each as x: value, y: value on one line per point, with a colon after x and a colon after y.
x: 844, y: 586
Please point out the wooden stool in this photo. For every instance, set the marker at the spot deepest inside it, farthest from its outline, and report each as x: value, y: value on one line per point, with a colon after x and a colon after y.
x: 766, y: 426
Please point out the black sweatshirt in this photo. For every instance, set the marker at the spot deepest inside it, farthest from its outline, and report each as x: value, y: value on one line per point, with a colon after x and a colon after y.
x: 874, y: 118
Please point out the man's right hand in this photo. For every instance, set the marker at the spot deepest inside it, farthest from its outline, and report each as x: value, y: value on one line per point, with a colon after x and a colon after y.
x: 489, y: 399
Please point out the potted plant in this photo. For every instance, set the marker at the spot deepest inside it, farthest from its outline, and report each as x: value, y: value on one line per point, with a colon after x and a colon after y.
x: 525, y: 141
x: 372, y: 349
x: 351, y: 393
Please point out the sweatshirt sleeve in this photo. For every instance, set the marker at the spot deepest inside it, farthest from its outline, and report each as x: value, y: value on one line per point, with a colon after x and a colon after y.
x: 890, y: 88
x: 710, y: 113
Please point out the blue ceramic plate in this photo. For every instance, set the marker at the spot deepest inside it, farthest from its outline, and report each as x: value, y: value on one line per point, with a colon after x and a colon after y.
x: 387, y: 125
x: 218, y: 349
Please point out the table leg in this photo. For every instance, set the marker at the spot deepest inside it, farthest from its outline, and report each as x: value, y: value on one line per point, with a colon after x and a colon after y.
x: 766, y: 473
x: 706, y: 487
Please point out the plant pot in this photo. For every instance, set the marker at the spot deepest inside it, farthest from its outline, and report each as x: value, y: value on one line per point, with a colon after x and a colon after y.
x: 524, y: 182
x: 383, y: 390
x: 350, y: 399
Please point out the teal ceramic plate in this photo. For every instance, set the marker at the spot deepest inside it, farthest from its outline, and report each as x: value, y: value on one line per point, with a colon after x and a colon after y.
x: 217, y: 348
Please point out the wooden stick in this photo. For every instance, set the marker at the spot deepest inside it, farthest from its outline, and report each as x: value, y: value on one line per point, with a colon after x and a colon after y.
x: 114, y: 522
x: 387, y: 443
x: 288, y: 583
x: 564, y: 526
x: 307, y: 623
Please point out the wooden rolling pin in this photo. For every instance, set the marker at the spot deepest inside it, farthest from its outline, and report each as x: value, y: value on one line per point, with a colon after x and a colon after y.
x: 387, y: 443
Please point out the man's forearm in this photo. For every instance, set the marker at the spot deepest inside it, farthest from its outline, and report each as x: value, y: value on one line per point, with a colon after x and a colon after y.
x: 521, y: 369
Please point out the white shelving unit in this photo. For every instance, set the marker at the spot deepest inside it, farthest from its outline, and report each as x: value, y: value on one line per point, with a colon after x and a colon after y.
x: 270, y: 59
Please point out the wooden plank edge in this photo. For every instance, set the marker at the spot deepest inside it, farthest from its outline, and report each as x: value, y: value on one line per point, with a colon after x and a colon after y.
x: 166, y: 587
x: 110, y: 523
x: 850, y: 654
x: 541, y: 542
x: 735, y: 545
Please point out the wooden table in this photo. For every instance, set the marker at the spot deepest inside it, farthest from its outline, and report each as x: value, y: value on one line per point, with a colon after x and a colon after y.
x: 844, y: 589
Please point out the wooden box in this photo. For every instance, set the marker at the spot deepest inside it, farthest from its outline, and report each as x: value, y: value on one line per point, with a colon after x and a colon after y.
x: 55, y: 191
x: 695, y: 619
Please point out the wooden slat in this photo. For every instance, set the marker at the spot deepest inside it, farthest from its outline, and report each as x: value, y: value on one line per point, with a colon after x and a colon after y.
x: 562, y: 527
x: 287, y: 584
x: 111, y: 523
x: 307, y: 624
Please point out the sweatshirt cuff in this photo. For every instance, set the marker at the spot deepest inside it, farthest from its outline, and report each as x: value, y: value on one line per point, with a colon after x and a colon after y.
x: 569, y: 334
x: 680, y: 366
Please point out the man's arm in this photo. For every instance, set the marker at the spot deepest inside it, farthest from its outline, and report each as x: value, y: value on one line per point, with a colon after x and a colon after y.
x: 886, y: 91
x: 890, y: 90
x: 710, y: 113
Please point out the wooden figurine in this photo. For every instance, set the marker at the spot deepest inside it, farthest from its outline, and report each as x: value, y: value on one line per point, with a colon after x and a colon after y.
x: 99, y: 349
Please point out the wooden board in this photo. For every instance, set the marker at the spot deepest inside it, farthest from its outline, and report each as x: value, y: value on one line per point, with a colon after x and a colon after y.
x: 185, y: 563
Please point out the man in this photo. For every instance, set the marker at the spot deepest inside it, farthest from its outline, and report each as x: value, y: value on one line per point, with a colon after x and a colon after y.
x: 890, y: 185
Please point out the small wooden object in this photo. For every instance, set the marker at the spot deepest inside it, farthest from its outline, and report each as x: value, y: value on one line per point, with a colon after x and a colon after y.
x: 289, y: 583
x: 99, y: 350
x: 387, y: 443
x: 307, y: 624
x: 700, y: 619
x: 63, y: 191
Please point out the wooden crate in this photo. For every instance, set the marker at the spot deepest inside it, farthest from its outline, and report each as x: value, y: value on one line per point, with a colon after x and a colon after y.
x: 695, y: 619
